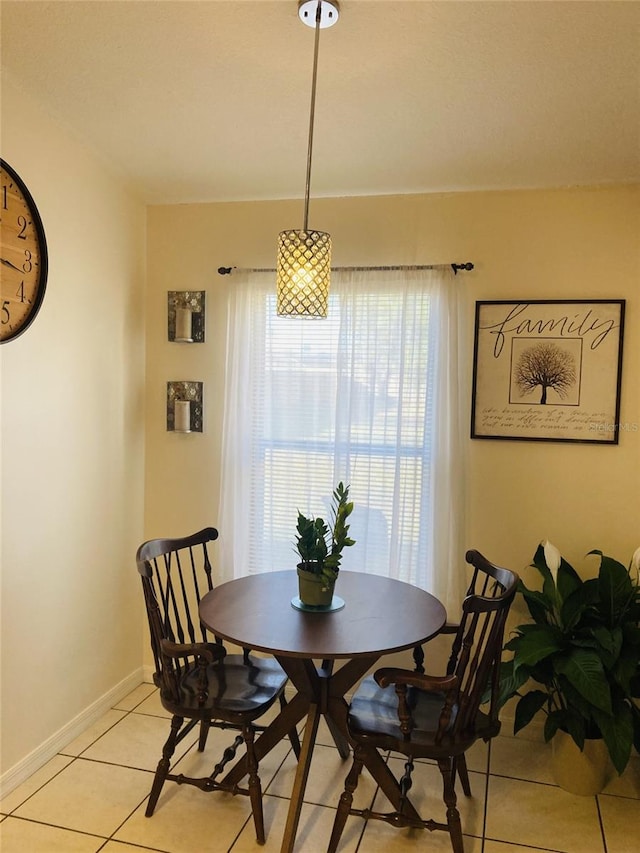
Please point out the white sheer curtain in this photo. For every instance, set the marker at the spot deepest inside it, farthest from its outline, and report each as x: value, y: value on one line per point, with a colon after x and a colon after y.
x: 374, y: 396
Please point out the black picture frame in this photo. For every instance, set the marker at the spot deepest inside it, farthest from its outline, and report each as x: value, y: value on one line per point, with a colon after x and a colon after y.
x: 548, y: 370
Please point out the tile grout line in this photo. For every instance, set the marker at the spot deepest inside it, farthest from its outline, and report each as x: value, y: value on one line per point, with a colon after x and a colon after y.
x: 57, y: 826
x: 11, y: 813
x: 601, y: 822
x: 524, y: 846
x: 486, y: 797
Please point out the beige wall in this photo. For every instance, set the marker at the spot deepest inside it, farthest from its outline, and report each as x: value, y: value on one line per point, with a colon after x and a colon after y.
x: 566, y: 243
x: 72, y: 447
x: 73, y: 388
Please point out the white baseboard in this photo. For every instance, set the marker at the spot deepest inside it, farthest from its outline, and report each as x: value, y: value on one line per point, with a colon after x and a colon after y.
x: 147, y: 673
x: 50, y: 747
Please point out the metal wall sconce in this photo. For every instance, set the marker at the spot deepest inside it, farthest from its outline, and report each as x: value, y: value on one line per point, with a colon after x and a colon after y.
x: 185, y: 315
x: 184, y: 406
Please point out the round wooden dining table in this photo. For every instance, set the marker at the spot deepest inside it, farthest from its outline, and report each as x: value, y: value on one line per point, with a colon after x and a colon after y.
x: 380, y: 616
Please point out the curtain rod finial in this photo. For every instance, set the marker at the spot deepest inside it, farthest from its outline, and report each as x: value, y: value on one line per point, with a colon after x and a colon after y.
x: 456, y: 267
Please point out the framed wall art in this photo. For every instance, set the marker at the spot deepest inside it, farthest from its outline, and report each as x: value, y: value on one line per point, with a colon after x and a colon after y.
x: 548, y: 370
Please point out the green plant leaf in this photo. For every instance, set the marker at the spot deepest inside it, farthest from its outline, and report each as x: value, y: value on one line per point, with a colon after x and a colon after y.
x: 616, y: 589
x: 528, y: 707
x: 576, y: 704
x: 585, y: 641
x: 578, y: 602
x: 574, y: 724
x: 568, y: 580
x: 510, y: 682
x: 551, y: 726
x: 617, y: 731
x: 609, y: 643
x: 583, y: 669
x: 535, y: 643
x: 542, y: 672
x: 571, y: 611
x: 537, y: 603
x: 568, y: 722
x: 626, y: 670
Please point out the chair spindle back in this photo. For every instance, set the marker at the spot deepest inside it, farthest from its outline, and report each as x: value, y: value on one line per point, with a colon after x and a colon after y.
x: 477, y: 648
x: 176, y: 574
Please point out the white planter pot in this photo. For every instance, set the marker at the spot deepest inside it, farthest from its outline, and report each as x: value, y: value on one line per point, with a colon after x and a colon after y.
x: 585, y: 773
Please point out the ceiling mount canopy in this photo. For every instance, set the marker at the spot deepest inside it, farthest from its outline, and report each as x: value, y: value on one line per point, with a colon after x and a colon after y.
x: 329, y: 12
x: 303, y: 267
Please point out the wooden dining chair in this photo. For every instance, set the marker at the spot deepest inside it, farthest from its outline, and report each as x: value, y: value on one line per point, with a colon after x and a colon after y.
x: 434, y: 717
x: 200, y: 684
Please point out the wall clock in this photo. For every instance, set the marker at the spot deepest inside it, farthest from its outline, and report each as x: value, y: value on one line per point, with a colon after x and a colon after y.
x: 23, y: 256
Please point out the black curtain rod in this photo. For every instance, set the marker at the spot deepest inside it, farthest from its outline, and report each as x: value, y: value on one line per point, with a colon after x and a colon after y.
x: 454, y: 267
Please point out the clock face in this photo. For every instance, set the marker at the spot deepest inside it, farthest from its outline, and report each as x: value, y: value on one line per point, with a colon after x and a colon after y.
x: 23, y: 256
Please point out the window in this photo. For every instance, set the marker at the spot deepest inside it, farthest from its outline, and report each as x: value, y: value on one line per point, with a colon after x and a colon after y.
x: 363, y: 397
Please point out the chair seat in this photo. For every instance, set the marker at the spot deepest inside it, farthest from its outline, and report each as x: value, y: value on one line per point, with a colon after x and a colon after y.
x: 373, y: 715
x: 234, y: 687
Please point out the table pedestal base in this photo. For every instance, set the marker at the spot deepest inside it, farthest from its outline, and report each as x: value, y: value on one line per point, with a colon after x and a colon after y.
x: 320, y: 693
x: 324, y: 691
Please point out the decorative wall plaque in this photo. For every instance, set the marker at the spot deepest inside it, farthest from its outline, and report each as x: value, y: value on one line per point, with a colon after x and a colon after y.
x: 186, y: 316
x: 548, y: 371
x: 184, y: 406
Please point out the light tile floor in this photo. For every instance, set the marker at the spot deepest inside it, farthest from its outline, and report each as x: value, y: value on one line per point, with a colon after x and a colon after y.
x: 91, y: 797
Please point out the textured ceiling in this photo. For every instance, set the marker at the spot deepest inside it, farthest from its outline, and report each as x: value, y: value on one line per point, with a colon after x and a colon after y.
x: 205, y: 101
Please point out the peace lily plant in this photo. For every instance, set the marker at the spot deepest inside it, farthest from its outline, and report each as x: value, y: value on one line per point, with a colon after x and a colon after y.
x: 581, y: 653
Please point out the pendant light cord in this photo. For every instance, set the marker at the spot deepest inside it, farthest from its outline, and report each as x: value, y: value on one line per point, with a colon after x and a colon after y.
x: 312, y: 115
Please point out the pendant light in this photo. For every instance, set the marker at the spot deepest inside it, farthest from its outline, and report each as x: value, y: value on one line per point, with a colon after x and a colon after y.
x: 303, y: 267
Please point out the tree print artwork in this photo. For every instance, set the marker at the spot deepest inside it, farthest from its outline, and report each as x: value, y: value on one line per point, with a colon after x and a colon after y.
x: 545, y: 365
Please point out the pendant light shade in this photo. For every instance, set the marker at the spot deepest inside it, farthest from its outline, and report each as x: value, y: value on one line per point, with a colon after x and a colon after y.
x: 302, y: 273
x: 303, y: 267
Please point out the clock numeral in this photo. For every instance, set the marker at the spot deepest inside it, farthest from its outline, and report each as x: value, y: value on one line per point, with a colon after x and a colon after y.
x: 6, y: 316
x: 22, y: 222
x: 21, y: 294
x: 27, y: 266
x: 4, y: 197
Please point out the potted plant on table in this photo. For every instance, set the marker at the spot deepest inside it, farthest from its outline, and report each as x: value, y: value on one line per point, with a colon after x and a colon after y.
x: 319, y: 546
x: 581, y: 655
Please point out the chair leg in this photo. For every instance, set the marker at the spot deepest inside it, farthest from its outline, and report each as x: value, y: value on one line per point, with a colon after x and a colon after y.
x: 205, y: 725
x: 255, y: 789
x: 449, y: 796
x: 293, y: 733
x: 163, y: 765
x: 346, y: 801
x: 461, y: 770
